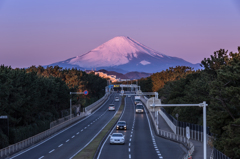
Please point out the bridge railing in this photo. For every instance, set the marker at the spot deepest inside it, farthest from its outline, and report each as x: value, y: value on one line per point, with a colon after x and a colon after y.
x: 7, y: 151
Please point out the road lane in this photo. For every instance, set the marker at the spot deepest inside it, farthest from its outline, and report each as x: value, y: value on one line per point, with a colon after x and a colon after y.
x: 141, y: 142
x: 72, y: 139
x: 120, y: 151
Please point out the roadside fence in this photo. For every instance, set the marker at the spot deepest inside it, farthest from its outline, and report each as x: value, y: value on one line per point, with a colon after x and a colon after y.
x: 218, y: 155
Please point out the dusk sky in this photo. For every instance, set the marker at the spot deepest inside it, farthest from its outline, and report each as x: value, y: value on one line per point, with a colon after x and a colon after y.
x: 41, y: 32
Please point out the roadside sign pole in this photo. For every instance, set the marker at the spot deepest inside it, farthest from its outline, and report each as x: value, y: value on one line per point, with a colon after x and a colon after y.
x: 204, y: 131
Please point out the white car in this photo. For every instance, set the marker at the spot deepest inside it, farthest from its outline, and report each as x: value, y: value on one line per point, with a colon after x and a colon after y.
x: 117, y: 138
x: 111, y: 107
x: 139, y: 108
x: 116, y: 99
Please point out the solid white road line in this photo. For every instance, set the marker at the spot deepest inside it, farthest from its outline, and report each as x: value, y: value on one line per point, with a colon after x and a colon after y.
x: 60, y: 145
x: 51, y: 151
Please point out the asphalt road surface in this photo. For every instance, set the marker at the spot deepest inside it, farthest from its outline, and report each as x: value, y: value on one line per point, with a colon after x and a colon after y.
x: 73, y: 139
x: 140, y: 139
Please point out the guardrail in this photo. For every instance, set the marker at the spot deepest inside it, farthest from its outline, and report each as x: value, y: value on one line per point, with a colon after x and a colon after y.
x: 43, y: 135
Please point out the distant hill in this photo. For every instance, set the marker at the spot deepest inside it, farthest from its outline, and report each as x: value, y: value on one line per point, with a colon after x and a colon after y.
x: 137, y: 75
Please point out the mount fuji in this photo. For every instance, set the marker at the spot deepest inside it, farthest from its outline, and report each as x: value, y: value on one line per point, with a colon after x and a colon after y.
x: 123, y: 54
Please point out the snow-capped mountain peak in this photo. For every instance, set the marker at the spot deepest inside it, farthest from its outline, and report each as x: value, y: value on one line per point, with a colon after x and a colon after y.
x: 116, y: 51
x: 123, y: 54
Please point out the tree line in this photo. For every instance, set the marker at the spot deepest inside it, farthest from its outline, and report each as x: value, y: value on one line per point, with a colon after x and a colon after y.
x: 34, y: 97
x: 218, y: 83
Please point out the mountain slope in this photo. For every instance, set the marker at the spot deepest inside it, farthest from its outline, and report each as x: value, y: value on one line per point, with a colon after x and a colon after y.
x: 124, y: 54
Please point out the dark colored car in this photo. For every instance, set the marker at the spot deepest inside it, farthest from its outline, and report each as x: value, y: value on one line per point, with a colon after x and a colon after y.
x: 121, y: 125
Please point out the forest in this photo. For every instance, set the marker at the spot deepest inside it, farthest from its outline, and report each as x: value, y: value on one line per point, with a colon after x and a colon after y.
x: 217, y: 83
x: 34, y: 97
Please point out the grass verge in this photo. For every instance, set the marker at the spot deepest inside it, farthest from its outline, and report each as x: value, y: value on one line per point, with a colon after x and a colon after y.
x: 89, y: 151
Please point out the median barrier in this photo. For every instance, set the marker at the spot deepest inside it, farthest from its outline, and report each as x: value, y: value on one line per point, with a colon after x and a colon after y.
x: 7, y: 151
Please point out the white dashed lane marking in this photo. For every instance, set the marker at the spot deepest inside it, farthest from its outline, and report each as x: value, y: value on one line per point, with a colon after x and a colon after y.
x: 77, y: 133
x: 67, y: 140
x: 73, y: 136
x: 41, y: 157
x: 51, y: 151
x: 60, y: 145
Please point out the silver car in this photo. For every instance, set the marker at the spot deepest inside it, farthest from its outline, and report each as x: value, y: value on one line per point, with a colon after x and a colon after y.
x: 117, y: 138
x: 116, y: 99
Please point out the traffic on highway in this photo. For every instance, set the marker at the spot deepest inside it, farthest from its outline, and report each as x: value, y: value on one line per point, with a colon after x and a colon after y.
x: 131, y: 138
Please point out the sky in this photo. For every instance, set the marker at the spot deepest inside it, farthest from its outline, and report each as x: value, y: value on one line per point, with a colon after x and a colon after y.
x: 42, y: 32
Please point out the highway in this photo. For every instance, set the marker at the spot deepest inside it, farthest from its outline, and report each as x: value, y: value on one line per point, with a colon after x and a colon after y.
x: 73, y: 139
x: 140, y: 139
